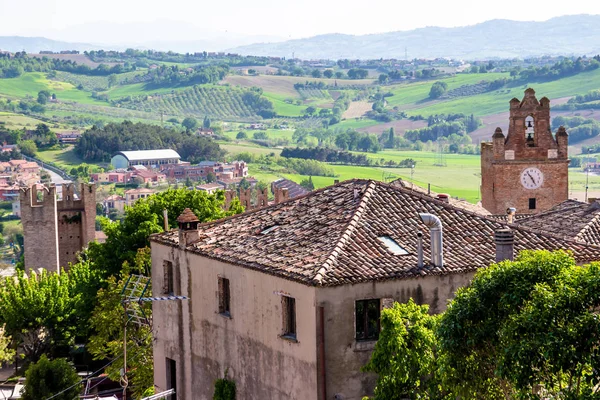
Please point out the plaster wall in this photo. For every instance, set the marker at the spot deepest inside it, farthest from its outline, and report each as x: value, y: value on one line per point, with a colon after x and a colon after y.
x: 344, y: 356
x: 204, y: 343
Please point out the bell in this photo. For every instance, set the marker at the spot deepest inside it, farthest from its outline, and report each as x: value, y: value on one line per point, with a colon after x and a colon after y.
x: 529, y: 124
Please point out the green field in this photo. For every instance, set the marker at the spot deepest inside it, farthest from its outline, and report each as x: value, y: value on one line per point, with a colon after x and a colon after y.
x: 30, y: 83
x: 64, y: 159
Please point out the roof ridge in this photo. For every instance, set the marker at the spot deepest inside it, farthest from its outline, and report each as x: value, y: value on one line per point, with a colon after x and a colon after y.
x: 346, y: 233
x: 551, y: 212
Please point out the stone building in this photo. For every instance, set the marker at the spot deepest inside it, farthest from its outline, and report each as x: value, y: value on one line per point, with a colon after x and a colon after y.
x: 287, y: 297
x: 528, y: 168
x: 55, y: 230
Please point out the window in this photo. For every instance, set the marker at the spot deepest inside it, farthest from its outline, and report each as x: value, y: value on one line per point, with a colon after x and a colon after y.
x: 532, y: 204
x: 367, y: 319
x: 224, y: 297
x: 392, y: 246
x: 168, y: 282
x: 289, y: 316
x: 171, y: 371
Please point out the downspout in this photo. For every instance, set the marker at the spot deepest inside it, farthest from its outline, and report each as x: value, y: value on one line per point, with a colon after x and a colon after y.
x: 437, y: 241
x: 420, y: 249
x: 322, y: 352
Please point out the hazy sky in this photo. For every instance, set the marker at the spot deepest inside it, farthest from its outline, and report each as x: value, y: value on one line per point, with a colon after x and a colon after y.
x: 77, y: 20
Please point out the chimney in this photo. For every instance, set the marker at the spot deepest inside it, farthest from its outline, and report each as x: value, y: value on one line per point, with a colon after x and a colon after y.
x: 505, y: 243
x: 281, y: 195
x: 437, y: 238
x: 166, y: 219
x: 510, y: 212
x: 188, y: 228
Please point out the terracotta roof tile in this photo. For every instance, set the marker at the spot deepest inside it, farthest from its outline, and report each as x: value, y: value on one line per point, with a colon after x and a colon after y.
x: 330, y: 236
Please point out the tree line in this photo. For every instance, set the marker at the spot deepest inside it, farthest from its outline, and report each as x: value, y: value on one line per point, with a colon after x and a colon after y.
x: 174, y: 75
x: 14, y: 66
x: 100, y: 144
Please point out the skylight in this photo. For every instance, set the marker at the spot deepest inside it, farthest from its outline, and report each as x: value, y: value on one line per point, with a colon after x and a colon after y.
x: 269, y: 229
x: 392, y: 246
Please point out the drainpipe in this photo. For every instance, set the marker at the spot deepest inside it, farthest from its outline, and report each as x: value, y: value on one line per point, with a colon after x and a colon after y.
x: 437, y: 240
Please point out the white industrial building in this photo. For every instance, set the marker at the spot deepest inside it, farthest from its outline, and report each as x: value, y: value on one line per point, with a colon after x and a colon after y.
x: 126, y: 159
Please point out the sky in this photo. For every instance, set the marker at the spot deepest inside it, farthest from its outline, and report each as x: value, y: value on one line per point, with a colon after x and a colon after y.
x: 121, y: 21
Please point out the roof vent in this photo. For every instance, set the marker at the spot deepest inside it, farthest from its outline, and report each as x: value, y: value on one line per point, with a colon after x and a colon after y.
x: 269, y: 229
x: 437, y: 240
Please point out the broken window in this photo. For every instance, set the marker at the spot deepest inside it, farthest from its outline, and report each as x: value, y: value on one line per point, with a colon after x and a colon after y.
x: 367, y: 319
x: 289, y: 316
x: 224, y: 296
x: 168, y: 282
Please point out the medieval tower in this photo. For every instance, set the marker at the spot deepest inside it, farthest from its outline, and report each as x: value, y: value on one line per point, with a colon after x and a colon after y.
x: 528, y: 168
x: 55, y: 230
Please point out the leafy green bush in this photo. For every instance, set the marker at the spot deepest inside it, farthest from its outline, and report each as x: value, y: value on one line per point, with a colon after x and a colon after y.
x: 224, y: 389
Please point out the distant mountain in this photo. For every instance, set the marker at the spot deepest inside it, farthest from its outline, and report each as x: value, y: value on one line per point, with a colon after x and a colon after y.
x: 566, y: 35
x: 36, y: 44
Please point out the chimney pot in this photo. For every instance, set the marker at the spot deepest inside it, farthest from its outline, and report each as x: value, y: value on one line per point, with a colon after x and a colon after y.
x: 505, y: 244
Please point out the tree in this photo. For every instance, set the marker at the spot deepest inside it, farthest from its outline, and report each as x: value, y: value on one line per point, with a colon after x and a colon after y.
x: 438, y: 89
x: 310, y: 111
x: 308, y: 184
x: 475, y: 331
x: 316, y: 73
x: 206, y: 123
x: 391, y: 139
x: 108, y: 320
x: 46, y: 379
x: 112, y: 80
x: 405, y: 356
x: 241, y: 135
x: 260, y: 136
x: 383, y: 78
x: 43, y: 97
x: 189, y: 124
x: 6, y: 352
x: 328, y: 73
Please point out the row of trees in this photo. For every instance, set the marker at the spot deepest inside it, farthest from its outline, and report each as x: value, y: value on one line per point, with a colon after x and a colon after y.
x: 174, y: 75
x: 15, y: 66
x: 579, y: 128
x: 100, y: 144
x: 526, y: 329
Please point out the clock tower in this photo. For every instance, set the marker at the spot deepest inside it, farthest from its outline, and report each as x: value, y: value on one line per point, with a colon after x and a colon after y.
x: 528, y: 168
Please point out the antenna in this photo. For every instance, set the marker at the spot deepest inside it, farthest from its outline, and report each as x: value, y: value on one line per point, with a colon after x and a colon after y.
x: 135, y: 293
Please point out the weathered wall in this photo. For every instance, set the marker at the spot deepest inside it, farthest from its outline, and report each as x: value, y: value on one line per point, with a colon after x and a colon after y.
x: 40, y: 233
x: 76, y: 221
x: 344, y: 355
x: 204, y: 343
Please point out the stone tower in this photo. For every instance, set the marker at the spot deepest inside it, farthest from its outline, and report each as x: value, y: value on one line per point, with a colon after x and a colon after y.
x: 528, y: 168
x: 55, y: 230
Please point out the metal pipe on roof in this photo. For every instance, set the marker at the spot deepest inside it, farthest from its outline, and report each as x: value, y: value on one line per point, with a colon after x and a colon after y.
x: 437, y: 238
x: 419, y: 249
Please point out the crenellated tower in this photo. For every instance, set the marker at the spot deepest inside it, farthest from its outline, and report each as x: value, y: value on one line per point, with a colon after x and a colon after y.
x: 55, y: 230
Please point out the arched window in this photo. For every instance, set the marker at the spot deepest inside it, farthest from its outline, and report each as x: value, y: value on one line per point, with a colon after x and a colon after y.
x: 530, y: 131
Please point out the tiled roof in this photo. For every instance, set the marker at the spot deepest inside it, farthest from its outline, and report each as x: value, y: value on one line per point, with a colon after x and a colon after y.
x: 294, y: 190
x: 572, y: 219
x: 330, y: 236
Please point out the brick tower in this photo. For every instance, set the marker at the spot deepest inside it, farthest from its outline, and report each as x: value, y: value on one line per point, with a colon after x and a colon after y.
x: 527, y: 169
x: 55, y: 230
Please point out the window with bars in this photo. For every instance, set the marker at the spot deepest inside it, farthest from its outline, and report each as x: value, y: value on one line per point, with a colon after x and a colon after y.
x: 367, y: 319
x: 289, y: 316
x: 224, y: 297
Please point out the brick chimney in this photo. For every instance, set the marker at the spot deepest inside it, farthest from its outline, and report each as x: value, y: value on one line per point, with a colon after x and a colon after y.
x: 505, y: 244
x: 188, y: 228
x: 281, y: 195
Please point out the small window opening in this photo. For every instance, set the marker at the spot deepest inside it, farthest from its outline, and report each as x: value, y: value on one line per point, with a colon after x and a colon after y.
x: 168, y: 277
x: 367, y: 319
x: 392, y: 246
x: 532, y: 204
x: 171, y: 372
x: 289, y: 316
x: 269, y: 229
x: 224, y: 297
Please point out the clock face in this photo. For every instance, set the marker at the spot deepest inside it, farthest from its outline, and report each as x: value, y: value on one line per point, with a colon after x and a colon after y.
x: 532, y: 178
